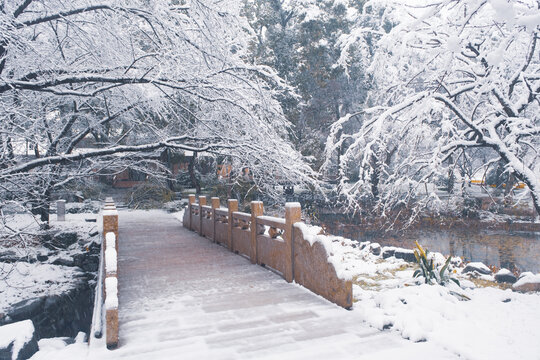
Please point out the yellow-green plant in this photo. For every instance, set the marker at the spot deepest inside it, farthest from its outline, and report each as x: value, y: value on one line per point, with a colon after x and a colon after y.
x: 431, y: 273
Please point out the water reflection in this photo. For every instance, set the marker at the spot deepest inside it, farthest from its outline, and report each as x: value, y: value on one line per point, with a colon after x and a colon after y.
x: 510, y: 250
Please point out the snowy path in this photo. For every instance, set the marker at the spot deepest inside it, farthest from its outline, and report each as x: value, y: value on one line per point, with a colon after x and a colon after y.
x: 182, y: 296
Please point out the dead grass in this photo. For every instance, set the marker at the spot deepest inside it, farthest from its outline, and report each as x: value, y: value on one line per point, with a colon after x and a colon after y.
x: 487, y: 283
x: 361, y: 280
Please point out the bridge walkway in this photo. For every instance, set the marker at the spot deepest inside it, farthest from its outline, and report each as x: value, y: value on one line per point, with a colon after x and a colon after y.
x: 183, y: 297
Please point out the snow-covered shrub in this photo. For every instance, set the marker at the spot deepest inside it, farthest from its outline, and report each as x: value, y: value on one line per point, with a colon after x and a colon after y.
x: 151, y: 194
x: 174, y: 206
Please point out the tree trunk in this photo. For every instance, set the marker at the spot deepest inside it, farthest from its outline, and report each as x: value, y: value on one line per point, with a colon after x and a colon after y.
x: 508, y: 198
x: 44, y: 210
x: 375, y: 177
x: 193, y: 177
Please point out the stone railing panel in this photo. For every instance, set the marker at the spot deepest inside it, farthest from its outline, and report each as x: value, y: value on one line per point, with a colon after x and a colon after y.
x: 272, y: 253
x: 186, y: 218
x: 207, y: 222
x: 313, y: 270
x: 241, y: 234
x: 195, y: 218
x: 221, y: 226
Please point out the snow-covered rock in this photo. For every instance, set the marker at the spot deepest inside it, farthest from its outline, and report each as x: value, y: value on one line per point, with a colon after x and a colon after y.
x: 18, y: 340
x: 62, y: 240
x: 477, y: 267
x: 362, y: 245
x: 456, y: 261
x: 375, y: 249
x: 11, y: 257
x: 505, y: 276
x: 398, y: 253
x: 528, y: 283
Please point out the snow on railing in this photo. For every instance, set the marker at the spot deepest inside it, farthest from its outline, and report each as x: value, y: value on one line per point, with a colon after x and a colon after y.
x: 285, y: 245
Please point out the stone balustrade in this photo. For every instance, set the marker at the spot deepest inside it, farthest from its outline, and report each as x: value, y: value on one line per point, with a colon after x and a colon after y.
x: 276, y: 243
x: 110, y: 280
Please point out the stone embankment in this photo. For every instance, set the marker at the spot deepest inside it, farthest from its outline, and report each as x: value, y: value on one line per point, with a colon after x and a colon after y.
x: 54, y: 307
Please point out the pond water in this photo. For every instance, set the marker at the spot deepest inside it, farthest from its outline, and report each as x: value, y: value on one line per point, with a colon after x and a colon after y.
x: 508, y: 249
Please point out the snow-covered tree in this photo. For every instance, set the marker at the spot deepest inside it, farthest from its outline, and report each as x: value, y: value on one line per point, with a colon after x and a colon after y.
x: 454, y: 81
x: 300, y: 39
x: 136, y: 76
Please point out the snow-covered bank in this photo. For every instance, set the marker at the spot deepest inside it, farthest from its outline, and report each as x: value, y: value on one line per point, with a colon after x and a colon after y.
x: 493, y: 324
x: 50, y: 262
x: 47, y: 275
x: 26, y: 280
x: 472, y: 321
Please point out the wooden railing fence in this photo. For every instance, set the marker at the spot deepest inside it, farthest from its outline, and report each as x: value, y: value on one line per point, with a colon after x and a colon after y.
x: 269, y: 241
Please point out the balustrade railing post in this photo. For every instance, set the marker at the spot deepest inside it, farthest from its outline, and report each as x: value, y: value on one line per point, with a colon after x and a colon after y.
x: 202, y: 202
x: 191, y: 200
x: 61, y: 210
x: 110, y: 221
x: 293, y: 214
x: 232, y: 204
x: 257, y: 209
x: 215, y: 205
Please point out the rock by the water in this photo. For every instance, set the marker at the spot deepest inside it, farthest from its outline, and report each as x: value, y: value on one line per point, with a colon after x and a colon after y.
x: 56, y: 315
x: 505, y: 276
x: 375, y: 249
x: 86, y: 262
x: 398, y: 253
x: 11, y: 257
x: 61, y: 240
x: 25, y: 309
x: 405, y: 254
x: 8, y: 256
x: 528, y: 283
x: 18, y: 341
x: 388, y: 252
x: 64, y: 262
x: 477, y: 267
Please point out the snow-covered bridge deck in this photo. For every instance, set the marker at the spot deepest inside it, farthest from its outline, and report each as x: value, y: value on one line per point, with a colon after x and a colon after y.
x: 182, y: 296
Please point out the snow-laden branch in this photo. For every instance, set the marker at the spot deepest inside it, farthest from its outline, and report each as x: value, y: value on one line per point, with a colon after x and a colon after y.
x: 62, y: 159
x: 44, y: 85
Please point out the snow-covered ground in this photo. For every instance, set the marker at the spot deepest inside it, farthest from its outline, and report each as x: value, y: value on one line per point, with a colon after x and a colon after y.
x: 474, y: 322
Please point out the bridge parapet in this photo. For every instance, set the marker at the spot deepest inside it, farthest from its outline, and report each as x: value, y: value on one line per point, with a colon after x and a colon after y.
x: 281, y: 244
x: 106, y: 302
x: 110, y: 285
